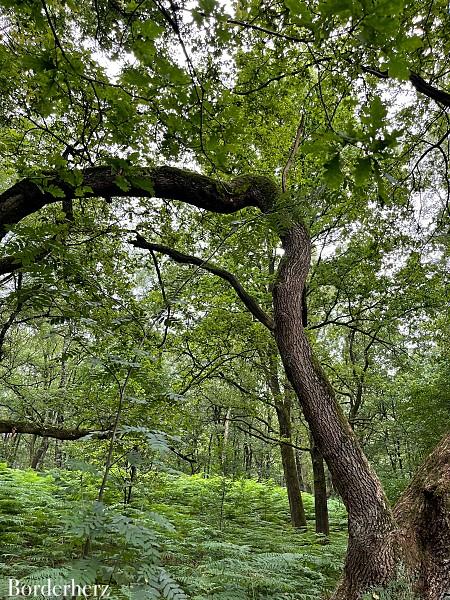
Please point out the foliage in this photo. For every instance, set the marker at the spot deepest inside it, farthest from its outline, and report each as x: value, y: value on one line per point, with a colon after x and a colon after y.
x: 343, y: 103
x: 238, y: 546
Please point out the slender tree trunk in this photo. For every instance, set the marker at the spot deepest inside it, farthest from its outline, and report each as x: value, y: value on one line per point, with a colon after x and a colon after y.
x: 208, y: 462
x: 304, y: 485
x: 283, y: 410
x: 59, y: 455
x: 297, y: 510
x: 12, y: 454
x: 226, y: 435
x: 40, y: 453
x: 248, y: 456
x: 320, y: 490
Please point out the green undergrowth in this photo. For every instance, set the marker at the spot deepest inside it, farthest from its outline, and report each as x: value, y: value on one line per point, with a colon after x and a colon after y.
x: 181, y: 537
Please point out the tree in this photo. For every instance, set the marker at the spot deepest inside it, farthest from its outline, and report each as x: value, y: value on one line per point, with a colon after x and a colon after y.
x: 192, y: 116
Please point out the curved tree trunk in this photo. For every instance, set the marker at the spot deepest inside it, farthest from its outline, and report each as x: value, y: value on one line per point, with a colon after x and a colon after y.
x: 371, y: 550
x: 382, y: 542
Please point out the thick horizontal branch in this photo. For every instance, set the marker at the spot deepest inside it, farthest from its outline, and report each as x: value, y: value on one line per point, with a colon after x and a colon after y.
x: 251, y: 304
x: 50, y: 431
x: 67, y: 434
x: 30, y: 195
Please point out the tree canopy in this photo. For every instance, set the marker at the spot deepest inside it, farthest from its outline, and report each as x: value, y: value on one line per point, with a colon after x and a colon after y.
x: 224, y: 252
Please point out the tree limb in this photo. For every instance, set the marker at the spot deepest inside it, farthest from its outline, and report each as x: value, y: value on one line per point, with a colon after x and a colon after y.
x: 50, y: 431
x: 32, y: 194
x: 250, y: 302
x: 419, y: 84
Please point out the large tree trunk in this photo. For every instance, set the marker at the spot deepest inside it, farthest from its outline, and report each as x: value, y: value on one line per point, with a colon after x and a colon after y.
x: 423, y: 515
x: 371, y: 549
x: 381, y: 542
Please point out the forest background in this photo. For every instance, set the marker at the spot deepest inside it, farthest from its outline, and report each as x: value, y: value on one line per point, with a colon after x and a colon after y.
x: 224, y: 260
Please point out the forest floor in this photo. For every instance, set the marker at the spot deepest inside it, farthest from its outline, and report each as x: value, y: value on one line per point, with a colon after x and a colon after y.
x: 181, y: 537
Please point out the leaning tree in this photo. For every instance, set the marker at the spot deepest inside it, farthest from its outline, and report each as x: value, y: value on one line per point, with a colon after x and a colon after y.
x: 94, y: 95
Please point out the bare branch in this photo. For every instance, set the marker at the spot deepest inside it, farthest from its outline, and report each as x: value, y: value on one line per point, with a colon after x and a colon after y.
x: 293, y: 151
x: 250, y: 302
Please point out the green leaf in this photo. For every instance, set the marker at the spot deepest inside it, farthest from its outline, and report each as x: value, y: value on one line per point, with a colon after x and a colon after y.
x: 55, y: 191
x: 412, y: 43
x: 150, y: 30
x: 207, y: 6
x: 333, y: 174
x: 82, y: 190
x: 374, y: 114
x: 363, y: 171
x: 142, y: 183
x: 293, y: 6
x: 122, y: 183
x: 398, y: 68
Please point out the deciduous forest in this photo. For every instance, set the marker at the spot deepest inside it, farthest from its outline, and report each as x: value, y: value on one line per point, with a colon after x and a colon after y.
x: 224, y: 299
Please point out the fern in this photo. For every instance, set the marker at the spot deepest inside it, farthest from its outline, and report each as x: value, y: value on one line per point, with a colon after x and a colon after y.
x: 166, y: 546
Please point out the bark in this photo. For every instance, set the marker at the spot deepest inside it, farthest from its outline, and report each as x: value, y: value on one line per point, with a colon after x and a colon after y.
x: 297, y: 510
x: 304, y: 484
x: 371, y: 556
x: 423, y: 514
x: 226, y: 435
x: 12, y: 447
x: 440, y: 96
x: 320, y: 491
x: 49, y: 431
x: 283, y: 410
x: 29, y: 195
x: 39, y: 455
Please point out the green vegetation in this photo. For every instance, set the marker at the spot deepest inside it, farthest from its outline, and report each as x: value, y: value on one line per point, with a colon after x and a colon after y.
x: 224, y: 292
x: 217, y: 538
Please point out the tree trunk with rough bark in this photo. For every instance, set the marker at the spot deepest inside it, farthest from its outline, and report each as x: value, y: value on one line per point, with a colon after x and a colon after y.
x: 304, y: 485
x: 297, y: 510
x: 423, y: 517
x: 382, y: 542
x: 39, y: 455
x: 371, y: 554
